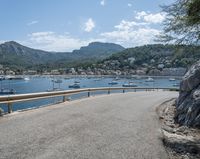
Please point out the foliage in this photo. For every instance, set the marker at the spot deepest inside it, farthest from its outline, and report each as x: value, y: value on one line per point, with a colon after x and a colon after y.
x: 151, y: 56
x: 182, y: 24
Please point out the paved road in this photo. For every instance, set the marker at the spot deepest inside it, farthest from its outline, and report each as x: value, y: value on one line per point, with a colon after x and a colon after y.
x: 116, y: 126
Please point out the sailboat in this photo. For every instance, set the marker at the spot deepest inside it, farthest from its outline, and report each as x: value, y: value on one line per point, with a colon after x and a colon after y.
x: 6, y: 91
x: 58, y: 81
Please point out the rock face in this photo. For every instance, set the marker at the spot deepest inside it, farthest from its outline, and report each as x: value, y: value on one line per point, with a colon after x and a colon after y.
x: 188, y: 103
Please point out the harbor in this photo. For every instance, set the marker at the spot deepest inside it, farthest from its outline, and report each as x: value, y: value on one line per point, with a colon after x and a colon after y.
x: 38, y: 84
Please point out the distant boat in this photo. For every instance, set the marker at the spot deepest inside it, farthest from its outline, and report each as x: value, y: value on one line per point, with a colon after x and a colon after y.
x: 130, y: 84
x: 76, y: 82
x: 13, y: 78
x: 172, y: 79
x: 26, y: 78
x: 2, y: 78
x: 136, y: 77
x: 113, y: 83
x: 149, y: 79
x: 7, y: 91
x: 98, y: 79
x: 58, y: 81
x: 54, y: 89
x: 176, y: 85
x: 75, y: 85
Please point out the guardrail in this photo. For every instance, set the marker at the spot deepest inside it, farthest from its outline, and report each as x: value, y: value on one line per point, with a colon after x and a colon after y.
x: 10, y: 99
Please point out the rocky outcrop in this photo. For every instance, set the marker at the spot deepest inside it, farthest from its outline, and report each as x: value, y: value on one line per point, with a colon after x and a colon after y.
x: 181, y: 142
x: 188, y: 103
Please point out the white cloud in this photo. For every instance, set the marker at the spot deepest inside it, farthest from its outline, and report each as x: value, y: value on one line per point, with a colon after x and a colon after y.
x: 129, y: 5
x: 89, y: 25
x: 103, y: 2
x: 127, y: 25
x: 131, y: 33
x: 32, y: 22
x: 140, y: 15
x: 51, y: 41
x: 150, y: 18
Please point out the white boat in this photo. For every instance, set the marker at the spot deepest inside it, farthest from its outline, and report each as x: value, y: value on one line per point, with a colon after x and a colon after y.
x: 113, y: 83
x: 58, y: 81
x: 98, y: 79
x: 7, y: 91
x: 26, y: 78
x: 2, y: 78
x: 176, y: 85
x: 149, y: 79
x: 54, y: 89
x: 130, y: 84
x: 75, y: 85
x: 9, y: 77
x: 76, y: 82
x: 172, y: 79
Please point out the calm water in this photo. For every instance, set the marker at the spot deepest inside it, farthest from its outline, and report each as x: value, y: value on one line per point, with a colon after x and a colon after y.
x: 42, y: 84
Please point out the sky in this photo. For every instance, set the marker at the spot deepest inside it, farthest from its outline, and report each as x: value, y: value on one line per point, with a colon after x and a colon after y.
x: 65, y: 25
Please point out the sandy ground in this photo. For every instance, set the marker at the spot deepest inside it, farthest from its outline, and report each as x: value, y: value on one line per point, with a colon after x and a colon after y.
x: 121, y: 126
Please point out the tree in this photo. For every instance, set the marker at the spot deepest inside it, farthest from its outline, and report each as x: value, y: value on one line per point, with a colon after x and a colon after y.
x: 182, y: 24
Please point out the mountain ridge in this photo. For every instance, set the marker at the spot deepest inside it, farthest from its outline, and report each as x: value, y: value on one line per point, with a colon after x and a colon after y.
x: 13, y: 53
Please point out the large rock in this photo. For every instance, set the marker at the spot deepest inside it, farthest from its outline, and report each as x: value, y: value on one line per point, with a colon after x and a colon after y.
x: 188, y: 103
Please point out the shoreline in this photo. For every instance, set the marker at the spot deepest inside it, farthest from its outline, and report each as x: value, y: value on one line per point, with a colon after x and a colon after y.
x: 97, y: 76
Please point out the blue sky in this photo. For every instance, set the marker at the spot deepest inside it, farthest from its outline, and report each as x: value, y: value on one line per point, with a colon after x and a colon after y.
x: 64, y: 25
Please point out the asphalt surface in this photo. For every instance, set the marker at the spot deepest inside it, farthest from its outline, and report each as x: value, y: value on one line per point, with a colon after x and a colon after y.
x: 115, y: 126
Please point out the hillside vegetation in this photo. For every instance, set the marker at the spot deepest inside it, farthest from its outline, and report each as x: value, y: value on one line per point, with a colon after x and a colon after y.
x: 152, y: 56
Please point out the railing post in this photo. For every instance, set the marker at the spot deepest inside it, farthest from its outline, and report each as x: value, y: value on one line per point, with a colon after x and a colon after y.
x: 123, y: 90
x: 9, y: 107
x: 108, y: 91
x: 134, y: 90
x: 88, y: 93
x: 64, y: 98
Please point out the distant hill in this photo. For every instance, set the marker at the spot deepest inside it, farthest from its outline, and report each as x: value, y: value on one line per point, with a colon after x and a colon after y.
x: 97, y: 49
x: 151, y: 56
x: 15, y: 54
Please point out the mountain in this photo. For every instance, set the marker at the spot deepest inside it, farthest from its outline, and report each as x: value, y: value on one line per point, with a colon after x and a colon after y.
x: 15, y: 54
x: 97, y: 49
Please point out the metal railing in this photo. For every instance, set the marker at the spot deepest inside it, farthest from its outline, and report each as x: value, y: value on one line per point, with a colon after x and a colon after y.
x: 11, y: 99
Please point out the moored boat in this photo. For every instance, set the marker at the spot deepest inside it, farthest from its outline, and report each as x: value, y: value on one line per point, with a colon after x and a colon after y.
x: 113, y: 83
x: 7, y: 91
x: 172, y: 79
x: 130, y: 84
x: 75, y: 85
x: 149, y: 79
x: 26, y: 78
x: 54, y: 89
x: 13, y: 77
x: 58, y: 81
x: 176, y: 84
